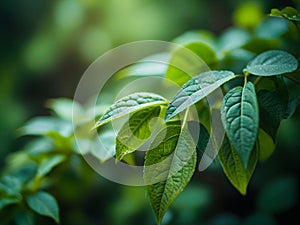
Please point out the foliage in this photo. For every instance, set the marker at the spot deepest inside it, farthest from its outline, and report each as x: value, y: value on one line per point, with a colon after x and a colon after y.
x: 258, y: 77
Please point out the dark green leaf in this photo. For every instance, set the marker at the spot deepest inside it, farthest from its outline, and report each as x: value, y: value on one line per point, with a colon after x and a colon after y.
x: 273, y: 107
x: 44, y: 204
x: 22, y: 218
x: 233, y: 166
x: 135, y: 132
x: 259, y: 219
x: 196, y: 89
x: 129, y: 104
x: 282, y: 191
x: 169, y: 165
x: 273, y: 62
x: 240, y: 117
x: 9, y: 201
x: 190, y: 60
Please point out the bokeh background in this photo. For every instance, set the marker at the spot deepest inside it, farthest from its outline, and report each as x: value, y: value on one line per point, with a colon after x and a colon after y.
x: 45, y: 48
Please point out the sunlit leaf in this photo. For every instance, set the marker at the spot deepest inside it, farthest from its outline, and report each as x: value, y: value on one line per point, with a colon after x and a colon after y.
x: 190, y: 60
x: 273, y: 62
x: 266, y: 145
x: 196, y: 89
x: 129, y: 104
x: 135, y: 132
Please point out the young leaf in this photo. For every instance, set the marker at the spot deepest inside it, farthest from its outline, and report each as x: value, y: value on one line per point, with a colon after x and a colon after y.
x: 168, y: 167
x: 48, y: 164
x: 273, y: 62
x: 240, y: 118
x: 129, y: 104
x: 196, y: 89
x: 233, y: 166
x: 190, y: 60
x: 266, y: 145
x: 44, y: 204
x: 273, y: 108
x: 135, y: 132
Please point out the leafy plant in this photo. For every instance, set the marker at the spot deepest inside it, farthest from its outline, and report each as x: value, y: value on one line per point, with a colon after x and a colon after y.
x: 254, y: 104
x: 258, y: 73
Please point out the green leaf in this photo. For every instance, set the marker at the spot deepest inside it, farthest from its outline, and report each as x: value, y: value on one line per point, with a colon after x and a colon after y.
x: 272, y: 28
x: 203, y: 36
x: 129, y: 104
x: 273, y: 62
x: 288, y: 12
x: 190, y: 60
x: 44, y: 204
x: 199, y: 134
x: 196, y: 89
x: 23, y: 218
x: 233, y: 38
x: 144, y: 68
x: 233, y: 166
x: 273, y: 107
x: 266, y: 145
x: 48, y: 164
x: 66, y: 109
x: 169, y: 165
x: 240, y: 117
x: 46, y: 125
x: 5, y: 201
x: 135, y: 132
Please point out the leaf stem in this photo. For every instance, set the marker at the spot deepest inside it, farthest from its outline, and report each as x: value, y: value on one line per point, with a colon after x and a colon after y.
x: 257, y: 80
x: 292, y: 79
x: 185, y: 117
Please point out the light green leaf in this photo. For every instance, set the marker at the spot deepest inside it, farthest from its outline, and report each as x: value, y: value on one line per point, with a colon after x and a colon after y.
x: 46, y: 125
x: 135, y: 132
x: 66, y: 109
x: 234, y: 168
x: 48, y: 164
x: 190, y: 60
x: 129, y: 104
x: 44, y: 204
x: 196, y: 89
x: 273, y: 62
x: 266, y: 145
x: 233, y: 38
x: 288, y: 12
x: 144, y: 68
x: 272, y: 28
x: 169, y: 165
x: 240, y: 117
x: 203, y: 36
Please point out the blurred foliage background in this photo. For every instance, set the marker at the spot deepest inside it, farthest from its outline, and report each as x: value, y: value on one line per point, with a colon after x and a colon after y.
x: 45, y: 48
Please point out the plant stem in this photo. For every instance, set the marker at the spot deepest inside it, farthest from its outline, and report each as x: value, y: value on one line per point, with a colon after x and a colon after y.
x: 257, y: 80
x: 293, y: 79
